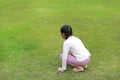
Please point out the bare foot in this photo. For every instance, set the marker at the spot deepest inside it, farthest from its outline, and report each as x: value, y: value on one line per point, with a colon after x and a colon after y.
x: 78, y: 69
x: 85, y: 66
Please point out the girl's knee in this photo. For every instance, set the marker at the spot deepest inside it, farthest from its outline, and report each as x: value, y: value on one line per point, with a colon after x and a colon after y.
x: 61, y: 55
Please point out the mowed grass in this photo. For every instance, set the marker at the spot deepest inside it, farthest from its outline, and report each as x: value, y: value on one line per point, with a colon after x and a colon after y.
x: 30, y: 41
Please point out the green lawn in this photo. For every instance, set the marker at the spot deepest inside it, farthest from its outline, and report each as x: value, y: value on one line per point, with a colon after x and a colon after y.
x: 30, y: 40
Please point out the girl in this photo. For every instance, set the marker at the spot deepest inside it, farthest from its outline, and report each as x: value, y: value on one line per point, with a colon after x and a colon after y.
x: 74, y: 51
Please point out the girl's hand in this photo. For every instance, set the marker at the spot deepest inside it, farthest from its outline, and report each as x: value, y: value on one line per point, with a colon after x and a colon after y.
x: 60, y: 69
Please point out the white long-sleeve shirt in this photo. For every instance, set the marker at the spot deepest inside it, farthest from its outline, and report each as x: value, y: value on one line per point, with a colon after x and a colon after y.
x: 74, y: 46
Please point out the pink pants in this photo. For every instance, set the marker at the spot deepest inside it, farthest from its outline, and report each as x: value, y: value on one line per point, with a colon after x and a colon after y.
x: 71, y: 60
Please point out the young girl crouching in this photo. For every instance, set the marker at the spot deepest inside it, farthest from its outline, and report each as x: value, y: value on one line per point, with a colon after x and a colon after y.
x: 74, y: 51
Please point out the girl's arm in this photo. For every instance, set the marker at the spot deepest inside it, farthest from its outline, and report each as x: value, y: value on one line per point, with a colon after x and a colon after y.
x: 64, y: 58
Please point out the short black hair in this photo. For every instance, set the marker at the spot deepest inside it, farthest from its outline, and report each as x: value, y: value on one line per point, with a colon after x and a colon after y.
x: 67, y: 30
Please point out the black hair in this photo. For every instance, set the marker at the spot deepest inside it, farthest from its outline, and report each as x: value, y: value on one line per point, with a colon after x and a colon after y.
x: 67, y: 30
